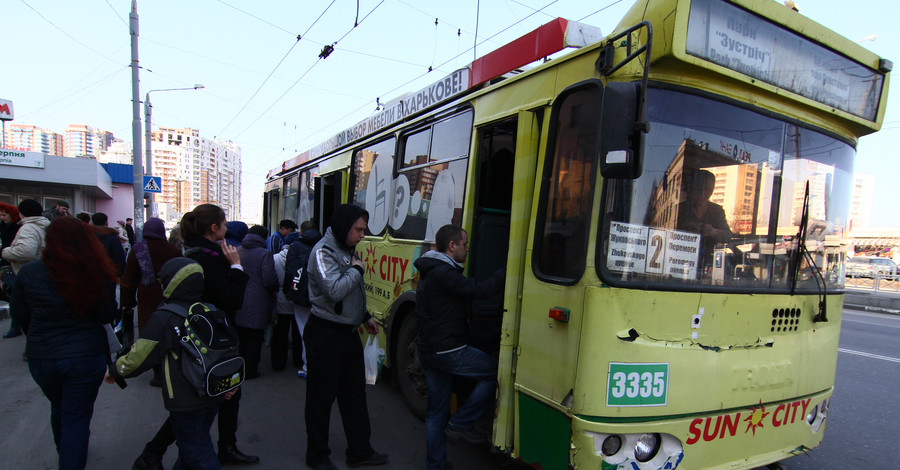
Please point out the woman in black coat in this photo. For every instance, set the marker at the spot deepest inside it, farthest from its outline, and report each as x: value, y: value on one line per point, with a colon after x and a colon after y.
x: 62, y: 300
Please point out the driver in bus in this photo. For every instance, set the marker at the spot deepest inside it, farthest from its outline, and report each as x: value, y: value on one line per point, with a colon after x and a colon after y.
x: 698, y: 214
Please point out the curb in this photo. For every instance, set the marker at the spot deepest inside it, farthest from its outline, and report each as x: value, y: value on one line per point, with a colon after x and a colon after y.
x: 869, y: 308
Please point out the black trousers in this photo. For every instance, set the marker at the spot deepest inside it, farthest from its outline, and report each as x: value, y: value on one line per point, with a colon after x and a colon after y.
x: 285, y: 326
x: 335, y: 370
x: 250, y: 348
x: 228, y: 419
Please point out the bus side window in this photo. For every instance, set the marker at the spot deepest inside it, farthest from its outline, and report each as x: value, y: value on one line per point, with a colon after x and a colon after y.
x: 430, y: 185
x: 567, y: 189
x: 373, y: 174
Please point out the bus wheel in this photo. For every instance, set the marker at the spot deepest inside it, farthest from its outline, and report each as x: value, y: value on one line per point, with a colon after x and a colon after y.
x: 408, y: 371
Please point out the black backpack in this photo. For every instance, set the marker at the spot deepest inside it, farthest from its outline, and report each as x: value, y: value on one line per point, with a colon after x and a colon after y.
x: 296, y: 277
x: 209, y: 349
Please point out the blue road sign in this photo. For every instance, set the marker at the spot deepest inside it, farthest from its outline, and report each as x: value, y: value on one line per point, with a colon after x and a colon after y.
x: 152, y: 184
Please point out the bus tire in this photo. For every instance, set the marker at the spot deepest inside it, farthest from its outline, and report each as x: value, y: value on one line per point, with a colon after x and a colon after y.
x: 408, y: 373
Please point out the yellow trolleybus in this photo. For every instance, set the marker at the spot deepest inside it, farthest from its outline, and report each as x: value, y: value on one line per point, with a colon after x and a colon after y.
x: 671, y: 204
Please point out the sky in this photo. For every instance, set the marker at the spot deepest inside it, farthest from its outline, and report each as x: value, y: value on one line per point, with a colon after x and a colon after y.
x: 67, y: 62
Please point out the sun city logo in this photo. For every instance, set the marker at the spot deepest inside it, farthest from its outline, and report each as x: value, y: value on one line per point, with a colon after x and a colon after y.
x: 388, y: 268
x: 723, y: 426
x: 371, y: 260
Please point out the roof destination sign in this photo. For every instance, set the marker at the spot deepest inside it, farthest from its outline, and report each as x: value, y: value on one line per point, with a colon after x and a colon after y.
x: 731, y: 37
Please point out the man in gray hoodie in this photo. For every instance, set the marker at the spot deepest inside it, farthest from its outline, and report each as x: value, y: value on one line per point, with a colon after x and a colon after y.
x: 333, y: 349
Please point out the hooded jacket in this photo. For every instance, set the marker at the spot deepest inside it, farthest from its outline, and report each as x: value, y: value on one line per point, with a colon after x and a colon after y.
x: 442, y: 301
x: 158, y: 344
x: 109, y: 238
x: 28, y: 243
x: 235, y: 233
x: 337, y: 290
x: 256, y: 311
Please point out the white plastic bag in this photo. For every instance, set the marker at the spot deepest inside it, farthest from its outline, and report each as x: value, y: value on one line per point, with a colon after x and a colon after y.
x: 373, y: 356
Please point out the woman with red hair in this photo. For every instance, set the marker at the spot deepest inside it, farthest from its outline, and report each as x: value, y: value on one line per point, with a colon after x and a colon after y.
x: 62, y: 300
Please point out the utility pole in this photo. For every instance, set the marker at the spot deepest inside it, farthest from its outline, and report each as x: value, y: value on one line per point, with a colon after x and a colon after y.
x: 138, y: 172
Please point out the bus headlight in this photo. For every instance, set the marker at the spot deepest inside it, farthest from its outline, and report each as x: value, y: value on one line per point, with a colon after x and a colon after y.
x: 648, y: 451
x: 646, y: 448
x: 611, y: 445
x: 816, y: 417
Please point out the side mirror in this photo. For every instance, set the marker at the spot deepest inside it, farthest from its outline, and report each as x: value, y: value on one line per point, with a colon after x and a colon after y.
x: 621, y: 135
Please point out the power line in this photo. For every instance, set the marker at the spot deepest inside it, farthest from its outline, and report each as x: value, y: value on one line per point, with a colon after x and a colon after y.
x: 598, y: 11
x: 322, y: 57
x: 67, y: 34
x: 415, y: 78
x: 299, y: 36
x: 258, y: 18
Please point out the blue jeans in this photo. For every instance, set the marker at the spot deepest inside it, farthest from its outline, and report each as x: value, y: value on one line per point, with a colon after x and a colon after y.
x: 439, y: 371
x: 195, y: 447
x: 71, y: 385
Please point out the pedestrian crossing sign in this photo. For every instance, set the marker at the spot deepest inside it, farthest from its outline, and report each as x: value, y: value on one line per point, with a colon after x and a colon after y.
x: 152, y: 184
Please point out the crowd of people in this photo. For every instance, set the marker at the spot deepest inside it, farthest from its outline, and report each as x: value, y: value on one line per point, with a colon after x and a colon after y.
x: 70, y: 279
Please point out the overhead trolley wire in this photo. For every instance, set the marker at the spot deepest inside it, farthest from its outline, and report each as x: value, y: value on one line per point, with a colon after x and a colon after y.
x: 67, y: 34
x: 322, y: 56
x: 299, y: 36
x: 368, y: 103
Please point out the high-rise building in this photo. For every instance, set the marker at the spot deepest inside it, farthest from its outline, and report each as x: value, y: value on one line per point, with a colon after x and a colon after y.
x: 196, y: 170
x: 31, y: 138
x: 119, y: 151
x: 85, y: 141
x: 862, y: 200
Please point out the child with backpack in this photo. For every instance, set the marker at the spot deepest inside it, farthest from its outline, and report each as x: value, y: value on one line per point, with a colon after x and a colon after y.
x: 173, y: 338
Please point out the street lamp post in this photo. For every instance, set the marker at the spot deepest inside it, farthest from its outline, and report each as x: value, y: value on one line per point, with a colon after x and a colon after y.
x: 148, y: 168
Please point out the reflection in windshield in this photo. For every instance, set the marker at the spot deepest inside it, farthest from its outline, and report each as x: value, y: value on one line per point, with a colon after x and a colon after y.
x: 721, y: 197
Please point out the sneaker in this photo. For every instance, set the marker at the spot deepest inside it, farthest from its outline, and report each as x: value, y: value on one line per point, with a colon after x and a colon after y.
x: 372, y: 460
x: 301, y: 373
x: 148, y: 461
x: 470, y: 436
x: 326, y: 465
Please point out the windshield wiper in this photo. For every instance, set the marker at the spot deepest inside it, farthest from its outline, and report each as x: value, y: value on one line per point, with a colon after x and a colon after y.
x: 803, y: 253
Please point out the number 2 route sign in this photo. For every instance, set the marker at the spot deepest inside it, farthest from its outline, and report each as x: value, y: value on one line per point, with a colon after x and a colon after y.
x: 152, y: 184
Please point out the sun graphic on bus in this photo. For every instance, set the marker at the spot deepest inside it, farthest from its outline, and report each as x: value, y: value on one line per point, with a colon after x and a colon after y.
x: 755, y: 420
x: 371, y: 260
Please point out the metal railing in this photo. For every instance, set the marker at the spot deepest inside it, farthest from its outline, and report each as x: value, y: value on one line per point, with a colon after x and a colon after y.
x: 875, y: 282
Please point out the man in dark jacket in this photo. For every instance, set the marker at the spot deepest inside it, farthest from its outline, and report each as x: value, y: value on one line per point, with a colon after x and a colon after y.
x: 442, y: 297
x: 336, y: 369
x: 109, y: 238
x: 190, y: 413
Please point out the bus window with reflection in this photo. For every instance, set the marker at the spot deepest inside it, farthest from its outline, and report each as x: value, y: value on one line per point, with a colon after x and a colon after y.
x: 373, y: 170
x: 720, y: 201
x: 561, y: 246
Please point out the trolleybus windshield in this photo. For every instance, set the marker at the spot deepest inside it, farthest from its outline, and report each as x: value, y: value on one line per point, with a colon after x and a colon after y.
x: 719, y: 202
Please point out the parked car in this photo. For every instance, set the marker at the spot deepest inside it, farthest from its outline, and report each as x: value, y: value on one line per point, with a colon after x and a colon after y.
x: 869, y: 266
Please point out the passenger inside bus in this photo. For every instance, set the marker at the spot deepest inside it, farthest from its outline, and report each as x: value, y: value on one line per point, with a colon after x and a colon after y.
x: 699, y: 215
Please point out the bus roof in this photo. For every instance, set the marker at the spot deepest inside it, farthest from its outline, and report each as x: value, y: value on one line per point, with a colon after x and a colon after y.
x: 547, y: 39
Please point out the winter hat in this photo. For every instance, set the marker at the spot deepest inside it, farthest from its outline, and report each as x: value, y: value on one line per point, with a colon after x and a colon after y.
x: 155, y: 228
x: 182, y: 279
x: 30, y: 208
x: 237, y: 230
x: 291, y: 238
